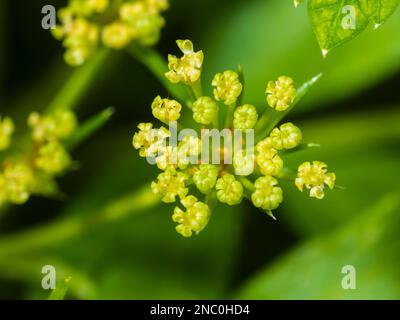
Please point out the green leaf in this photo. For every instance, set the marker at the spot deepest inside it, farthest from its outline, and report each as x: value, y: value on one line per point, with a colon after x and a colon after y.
x: 60, y: 291
x: 313, y: 270
x: 338, y: 21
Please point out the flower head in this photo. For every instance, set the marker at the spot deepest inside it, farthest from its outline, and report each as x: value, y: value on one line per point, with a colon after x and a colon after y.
x: 281, y: 93
x: 188, y: 68
x: 205, y: 177
x: 166, y: 110
x: 169, y: 185
x: 205, y: 110
x: 149, y: 141
x: 227, y: 87
x: 6, y: 131
x: 267, y: 194
x: 315, y: 176
x: 86, y: 24
x: 194, y: 219
x: 288, y: 136
x: 53, y: 158
x: 267, y: 158
x: 245, y: 117
x: 229, y: 190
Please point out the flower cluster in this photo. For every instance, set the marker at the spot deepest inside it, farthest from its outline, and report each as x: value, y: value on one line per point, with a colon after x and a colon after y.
x: 32, y: 172
x: 85, y: 24
x: 186, y: 175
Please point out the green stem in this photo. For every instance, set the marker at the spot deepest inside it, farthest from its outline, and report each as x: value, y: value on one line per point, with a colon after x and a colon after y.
x: 74, y: 226
x: 158, y: 66
x: 229, y: 116
x: 75, y: 87
x: 197, y: 89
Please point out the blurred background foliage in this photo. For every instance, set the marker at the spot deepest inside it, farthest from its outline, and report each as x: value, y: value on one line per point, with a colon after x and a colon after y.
x: 353, y: 112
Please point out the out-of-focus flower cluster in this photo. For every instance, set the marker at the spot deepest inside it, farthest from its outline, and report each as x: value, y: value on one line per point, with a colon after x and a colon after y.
x: 197, y: 184
x: 33, y: 170
x: 85, y: 24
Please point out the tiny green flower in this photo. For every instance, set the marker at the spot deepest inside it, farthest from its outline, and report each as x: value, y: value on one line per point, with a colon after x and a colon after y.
x: 315, y: 176
x: 19, y: 179
x: 267, y: 158
x: 243, y: 163
x: 188, y: 68
x: 116, y: 35
x: 168, y: 158
x: 245, y: 117
x: 169, y: 185
x: 149, y: 141
x: 205, y: 177
x: 281, y: 93
x: 6, y: 131
x: 53, y: 158
x: 166, y: 110
x: 59, y: 125
x: 227, y: 87
x: 194, y: 219
x: 288, y: 136
x: 229, y: 190
x: 268, y: 195
x: 205, y: 110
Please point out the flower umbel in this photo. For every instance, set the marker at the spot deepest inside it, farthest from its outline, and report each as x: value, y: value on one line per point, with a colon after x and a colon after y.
x: 33, y: 171
x: 86, y: 24
x: 241, y: 171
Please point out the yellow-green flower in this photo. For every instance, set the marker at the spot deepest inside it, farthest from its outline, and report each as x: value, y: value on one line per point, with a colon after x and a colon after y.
x: 188, y: 68
x: 116, y: 35
x: 243, y: 163
x: 169, y: 185
x: 149, y: 141
x: 267, y: 194
x: 59, y: 125
x: 227, y: 87
x: 267, y: 158
x: 166, y: 110
x: 53, y: 158
x: 194, y: 219
x: 315, y: 176
x: 205, y: 110
x: 6, y: 131
x: 19, y: 178
x: 288, y: 136
x: 168, y: 158
x: 205, y: 177
x: 229, y: 190
x: 281, y: 93
x: 245, y: 117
